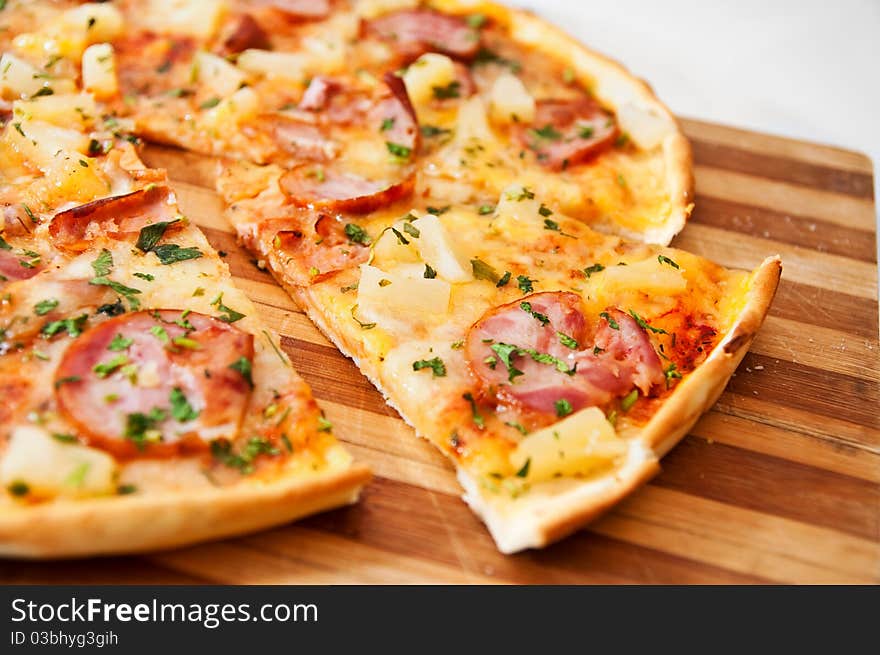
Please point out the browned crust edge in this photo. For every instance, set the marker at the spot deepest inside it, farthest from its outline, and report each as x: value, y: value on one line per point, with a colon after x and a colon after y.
x: 129, y: 524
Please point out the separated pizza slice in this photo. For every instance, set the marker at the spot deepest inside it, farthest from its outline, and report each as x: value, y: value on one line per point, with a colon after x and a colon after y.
x: 497, y: 94
x: 143, y: 405
x: 553, y: 364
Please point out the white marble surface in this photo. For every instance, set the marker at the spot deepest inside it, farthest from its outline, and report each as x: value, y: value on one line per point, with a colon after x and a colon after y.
x: 808, y: 69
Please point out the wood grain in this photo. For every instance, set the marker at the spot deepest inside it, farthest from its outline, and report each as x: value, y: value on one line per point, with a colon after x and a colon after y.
x: 779, y: 482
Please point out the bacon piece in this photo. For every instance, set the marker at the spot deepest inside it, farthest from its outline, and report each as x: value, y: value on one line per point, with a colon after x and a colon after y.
x: 580, y: 375
x: 315, y: 249
x: 328, y: 190
x: 117, y: 217
x: 138, y: 419
x: 414, y: 32
x: 244, y: 32
x: 318, y: 93
x: 568, y: 132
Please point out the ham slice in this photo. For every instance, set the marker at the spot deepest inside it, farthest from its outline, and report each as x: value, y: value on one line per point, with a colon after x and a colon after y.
x: 414, y: 32
x: 242, y: 33
x: 539, y: 350
x: 568, y: 132
x: 328, y: 190
x: 117, y: 217
x: 145, y: 402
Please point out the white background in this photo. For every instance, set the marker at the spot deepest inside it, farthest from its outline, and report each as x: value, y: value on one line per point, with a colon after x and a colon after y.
x: 807, y: 69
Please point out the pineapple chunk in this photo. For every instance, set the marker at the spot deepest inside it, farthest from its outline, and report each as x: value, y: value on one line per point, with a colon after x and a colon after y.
x: 273, y: 64
x: 648, y: 276
x: 577, y: 445
x: 51, y: 468
x: 18, y: 78
x: 97, y: 22
x: 646, y: 128
x: 510, y: 101
x: 389, y: 250
x: 217, y: 75
x: 428, y: 71
x: 374, y: 8
x: 43, y: 144
x: 60, y: 109
x: 519, y: 203
x: 438, y: 249
x: 387, y: 297
x: 99, y: 71
x: 240, y: 106
x: 72, y: 178
x: 200, y: 20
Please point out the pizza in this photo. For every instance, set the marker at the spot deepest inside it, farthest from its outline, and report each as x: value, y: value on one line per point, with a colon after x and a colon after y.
x: 470, y: 204
x: 143, y: 404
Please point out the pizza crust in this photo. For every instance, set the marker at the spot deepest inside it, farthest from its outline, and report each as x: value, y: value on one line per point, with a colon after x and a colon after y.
x: 129, y: 524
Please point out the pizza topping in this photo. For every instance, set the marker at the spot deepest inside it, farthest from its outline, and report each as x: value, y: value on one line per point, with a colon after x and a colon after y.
x: 242, y: 33
x: 299, y: 9
x: 538, y: 353
x: 318, y: 93
x: 397, y: 117
x: 567, y: 132
x: 12, y: 267
x: 305, y: 142
x: 168, y: 395
x: 343, y: 192
x: 117, y: 217
x: 416, y: 31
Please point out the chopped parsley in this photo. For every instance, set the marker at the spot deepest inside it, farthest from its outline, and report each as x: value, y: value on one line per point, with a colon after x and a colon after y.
x: 435, y: 364
x: 544, y: 210
x: 475, y: 412
x: 141, y: 428
x: 437, y: 211
x: 398, y: 150
x: 324, y: 425
x: 563, y: 407
x: 663, y: 259
x: 432, y: 131
x: 244, y: 366
x: 517, y: 194
x: 119, y: 342
x: 611, y: 322
x: 103, y: 263
x: 171, y: 253
x: 209, y: 103
x: 524, y: 471
x: 547, y: 132
x: 129, y: 293
x: 430, y: 273
x: 451, y: 90
x: 502, y: 282
x: 671, y: 373
x: 411, y: 230
x: 222, y: 451
x: 527, y: 308
x: 181, y: 409
x: 150, y: 235
x: 387, y: 124
x: 483, y: 271
x: 66, y: 380
x: 517, y: 426
x: 567, y: 341
x: 550, y: 224
x: 595, y: 268
x: 645, y: 325
x: 145, y: 276
x: 229, y: 314
x: 45, y: 306
x: 525, y: 284
x: 629, y: 400
x: 109, y: 367
x: 18, y: 489
x: 485, y: 209
x: 73, y: 326
x: 357, y: 234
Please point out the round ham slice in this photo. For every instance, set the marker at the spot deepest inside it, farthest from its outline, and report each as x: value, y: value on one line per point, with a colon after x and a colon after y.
x: 414, y: 32
x: 554, y: 355
x: 172, y: 383
x: 568, y: 132
x: 318, y: 93
x: 117, y: 217
x: 399, y: 112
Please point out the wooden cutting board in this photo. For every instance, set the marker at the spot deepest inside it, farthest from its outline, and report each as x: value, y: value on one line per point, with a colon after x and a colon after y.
x: 779, y: 482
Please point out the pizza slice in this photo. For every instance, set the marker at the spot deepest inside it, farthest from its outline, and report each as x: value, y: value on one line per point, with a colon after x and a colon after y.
x: 313, y: 87
x: 552, y: 363
x: 143, y: 405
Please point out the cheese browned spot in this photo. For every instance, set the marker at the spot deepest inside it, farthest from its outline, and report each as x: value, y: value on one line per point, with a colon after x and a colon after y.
x: 169, y: 390
x: 540, y: 351
x: 412, y: 32
x: 568, y: 132
x: 117, y: 217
